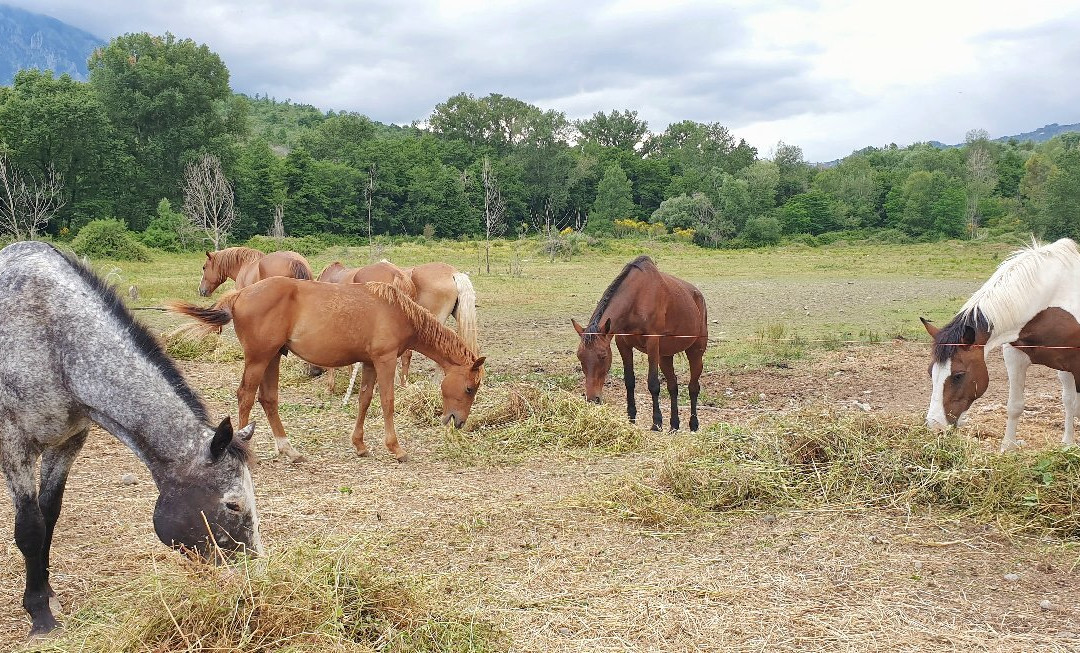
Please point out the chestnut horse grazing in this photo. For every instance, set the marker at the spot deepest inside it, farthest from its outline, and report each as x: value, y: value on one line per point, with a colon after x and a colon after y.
x: 1030, y: 307
x: 382, y: 272
x: 72, y: 354
x: 652, y: 312
x: 246, y: 266
x: 331, y: 325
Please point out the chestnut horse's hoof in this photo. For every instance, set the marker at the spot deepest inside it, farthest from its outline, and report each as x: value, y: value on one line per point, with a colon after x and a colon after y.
x: 297, y: 459
x: 363, y: 453
x: 402, y: 457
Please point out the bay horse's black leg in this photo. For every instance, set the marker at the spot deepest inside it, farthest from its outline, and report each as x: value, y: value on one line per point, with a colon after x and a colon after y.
x: 30, y: 534
x: 695, y: 356
x: 667, y: 366
x: 627, y: 353
x: 654, y: 383
x: 55, y: 465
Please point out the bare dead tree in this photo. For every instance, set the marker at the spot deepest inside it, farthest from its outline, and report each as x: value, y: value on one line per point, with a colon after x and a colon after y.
x: 208, y: 199
x: 277, y: 230
x: 27, y: 204
x: 550, y: 226
x: 982, y: 177
x: 494, y: 210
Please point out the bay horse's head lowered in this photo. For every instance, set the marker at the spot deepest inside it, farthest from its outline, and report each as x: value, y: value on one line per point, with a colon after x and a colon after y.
x: 459, y: 386
x: 958, y: 370
x: 594, y: 352
x: 215, y: 498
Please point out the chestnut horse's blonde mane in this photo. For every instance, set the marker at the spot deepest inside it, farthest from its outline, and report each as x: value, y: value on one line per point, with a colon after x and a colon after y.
x: 233, y: 258
x: 1004, y: 298
x: 428, y: 328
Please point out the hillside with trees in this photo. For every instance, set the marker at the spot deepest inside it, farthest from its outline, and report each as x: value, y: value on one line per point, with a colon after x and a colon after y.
x: 118, y: 146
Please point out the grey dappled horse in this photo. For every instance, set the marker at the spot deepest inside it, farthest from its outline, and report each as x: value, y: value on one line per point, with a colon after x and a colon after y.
x: 71, y: 354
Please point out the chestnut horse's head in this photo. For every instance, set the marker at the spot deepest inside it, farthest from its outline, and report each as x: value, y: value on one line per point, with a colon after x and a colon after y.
x: 459, y: 386
x: 594, y: 352
x: 213, y: 275
x: 958, y: 370
x: 213, y: 497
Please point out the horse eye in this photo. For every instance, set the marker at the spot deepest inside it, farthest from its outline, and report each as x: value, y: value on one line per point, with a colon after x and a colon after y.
x: 233, y: 506
x: 958, y: 376
x: 470, y: 390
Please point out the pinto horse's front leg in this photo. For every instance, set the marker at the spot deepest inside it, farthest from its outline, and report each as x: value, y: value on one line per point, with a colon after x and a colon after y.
x: 1016, y: 367
x: 626, y: 350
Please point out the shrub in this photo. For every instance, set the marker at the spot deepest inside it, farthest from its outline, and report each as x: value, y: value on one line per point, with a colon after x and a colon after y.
x: 109, y: 239
x: 760, y: 231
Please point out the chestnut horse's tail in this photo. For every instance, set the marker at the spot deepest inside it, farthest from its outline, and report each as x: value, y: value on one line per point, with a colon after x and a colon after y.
x: 210, y: 318
x: 465, y: 311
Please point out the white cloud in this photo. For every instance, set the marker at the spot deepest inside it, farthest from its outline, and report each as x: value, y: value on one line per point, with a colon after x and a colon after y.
x: 830, y: 76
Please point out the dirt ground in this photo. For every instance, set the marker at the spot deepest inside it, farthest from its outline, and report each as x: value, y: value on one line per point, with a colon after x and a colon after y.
x: 522, y: 547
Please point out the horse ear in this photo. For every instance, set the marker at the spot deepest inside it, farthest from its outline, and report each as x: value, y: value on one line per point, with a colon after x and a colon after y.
x: 223, y: 435
x: 970, y: 334
x: 930, y: 328
x: 478, y: 363
x: 577, y: 327
x: 209, y: 255
x: 607, y: 327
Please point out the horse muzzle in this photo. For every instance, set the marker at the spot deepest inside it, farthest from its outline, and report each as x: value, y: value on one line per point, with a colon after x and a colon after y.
x: 451, y: 418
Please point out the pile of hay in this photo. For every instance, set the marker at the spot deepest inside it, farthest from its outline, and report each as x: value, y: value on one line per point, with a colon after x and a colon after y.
x: 510, y: 421
x: 310, y: 597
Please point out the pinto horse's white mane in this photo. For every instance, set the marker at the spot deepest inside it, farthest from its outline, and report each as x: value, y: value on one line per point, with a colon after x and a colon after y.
x: 1005, y: 297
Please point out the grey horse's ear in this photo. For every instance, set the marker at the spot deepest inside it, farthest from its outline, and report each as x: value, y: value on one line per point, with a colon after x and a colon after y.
x: 223, y: 436
x: 246, y: 432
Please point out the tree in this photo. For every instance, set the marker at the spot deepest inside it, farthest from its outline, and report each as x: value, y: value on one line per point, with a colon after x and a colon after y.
x: 27, y: 203
x: 794, y: 171
x: 208, y: 199
x: 614, y: 200
x: 619, y: 130
x: 927, y: 204
x: 981, y: 176
x: 494, y: 210
x: 169, y: 101
x: 496, y: 121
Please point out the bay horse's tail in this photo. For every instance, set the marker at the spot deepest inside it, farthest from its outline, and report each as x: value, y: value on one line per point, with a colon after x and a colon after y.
x: 465, y: 311
x: 210, y: 318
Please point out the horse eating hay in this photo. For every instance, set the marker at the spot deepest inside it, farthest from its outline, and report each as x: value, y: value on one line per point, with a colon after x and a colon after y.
x: 331, y: 325
x: 246, y: 266
x: 652, y: 312
x: 1030, y: 307
x: 71, y: 354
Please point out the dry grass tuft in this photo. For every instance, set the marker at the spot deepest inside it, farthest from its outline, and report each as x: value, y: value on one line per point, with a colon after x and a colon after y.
x: 813, y: 459
x: 310, y: 597
x: 186, y: 344
x: 509, y: 422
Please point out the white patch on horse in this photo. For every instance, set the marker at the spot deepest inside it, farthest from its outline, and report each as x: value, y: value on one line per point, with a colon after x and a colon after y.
x: 935, y: 415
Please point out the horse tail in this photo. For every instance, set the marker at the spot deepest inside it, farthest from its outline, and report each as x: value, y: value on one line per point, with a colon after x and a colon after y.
x: 211, y: 318
x: 301, y: 270
x: 465, y: 311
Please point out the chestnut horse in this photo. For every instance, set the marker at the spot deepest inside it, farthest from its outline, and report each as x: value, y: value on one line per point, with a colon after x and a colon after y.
x: 444, y: 291
x: 383, y: 272
x: 1029, y: 307
x: 245, y: 266
x: 331, y: 325
x: 653, y: 312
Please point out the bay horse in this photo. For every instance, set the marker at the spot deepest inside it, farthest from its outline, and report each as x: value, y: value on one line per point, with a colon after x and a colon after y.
x: 72, y: 354
x: 655, y: 313
x: 383, y: 272
x: 331, y: 325
x: 1029, y: 307
x: 245, y: 266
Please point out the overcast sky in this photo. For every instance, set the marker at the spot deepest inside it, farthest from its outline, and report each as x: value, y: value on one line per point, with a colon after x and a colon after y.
x: 830, y: 76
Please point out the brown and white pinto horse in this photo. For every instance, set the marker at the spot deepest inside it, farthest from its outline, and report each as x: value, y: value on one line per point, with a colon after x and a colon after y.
x: 1030, y: 307
x: 382, y: 272
x: 653, y: 312
x: 332, y: 325
x: 246, y: 266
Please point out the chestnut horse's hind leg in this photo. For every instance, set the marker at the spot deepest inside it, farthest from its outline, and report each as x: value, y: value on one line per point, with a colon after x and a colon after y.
x: 667, y: 366
x: 695, y: 356
x: 367, y: 388
x: 268, y: 397
x: 653, y: 349
x: 403, y: 374
x: 627, y: 352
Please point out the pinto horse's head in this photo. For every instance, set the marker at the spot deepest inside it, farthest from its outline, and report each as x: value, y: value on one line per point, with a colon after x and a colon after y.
x: 213, y: 497
x: 594, y: 352
x: 459, y: 387
x: 212, y: 276
x: 958, y: 371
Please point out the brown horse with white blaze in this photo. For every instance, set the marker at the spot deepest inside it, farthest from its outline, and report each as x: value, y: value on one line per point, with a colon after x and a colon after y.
x: 246, y: 266
x: 332, y: 325
x: 655, y: 313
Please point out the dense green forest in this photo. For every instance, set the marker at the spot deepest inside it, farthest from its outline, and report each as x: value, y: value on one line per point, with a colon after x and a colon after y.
x: 119, y: 144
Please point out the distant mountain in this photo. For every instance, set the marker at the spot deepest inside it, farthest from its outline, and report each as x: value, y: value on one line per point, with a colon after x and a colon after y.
x: 29, y: 40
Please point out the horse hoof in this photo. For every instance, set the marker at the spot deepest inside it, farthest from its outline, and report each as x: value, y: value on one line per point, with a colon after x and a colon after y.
x: 402, y: 457
x: 297, y: 459
x: 44, y: 630
x: 656, y: 427
x: 363, y: 453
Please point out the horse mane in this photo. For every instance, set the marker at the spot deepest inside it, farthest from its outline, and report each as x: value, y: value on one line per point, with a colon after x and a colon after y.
x: 642, y: 263
x: 140, y: 335
x: 428, y: 328
x: 226, y: 259
x: 954, y: 335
